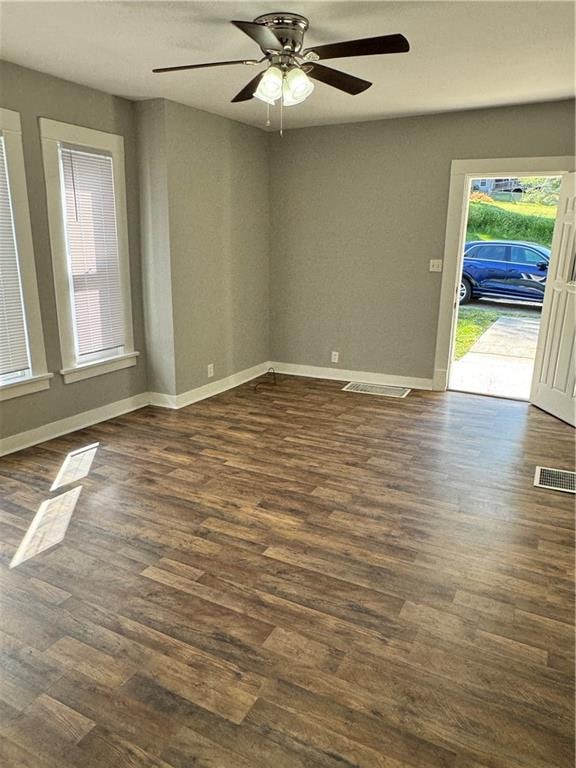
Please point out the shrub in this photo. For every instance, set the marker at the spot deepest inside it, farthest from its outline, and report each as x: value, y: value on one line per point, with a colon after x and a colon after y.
x: 499, y: 224
x: 480, y: 197
x: 541, y: 197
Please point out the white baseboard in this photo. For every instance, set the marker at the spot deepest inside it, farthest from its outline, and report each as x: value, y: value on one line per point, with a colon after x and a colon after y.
x: 161, y: 400
x: 110, y: 411
x: 72, y: 423
x: 88, y: 418
x: 208, y: 390
x: 341, y: 374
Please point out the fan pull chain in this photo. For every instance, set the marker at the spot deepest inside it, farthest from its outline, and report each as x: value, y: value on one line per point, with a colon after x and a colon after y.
x: 281, y: 114
x: 267, y: 115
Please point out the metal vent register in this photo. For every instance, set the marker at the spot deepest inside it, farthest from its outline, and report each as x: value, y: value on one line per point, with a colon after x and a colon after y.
x: 555, y: 479
x: 376, y: 389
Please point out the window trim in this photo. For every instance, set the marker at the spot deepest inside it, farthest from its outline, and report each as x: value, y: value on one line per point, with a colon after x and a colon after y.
x: 97, y: 367
x: 54, y: 133
x: 39, y: 377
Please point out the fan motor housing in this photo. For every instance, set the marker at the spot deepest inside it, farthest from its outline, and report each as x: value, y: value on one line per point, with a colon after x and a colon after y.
x: 289, y: 28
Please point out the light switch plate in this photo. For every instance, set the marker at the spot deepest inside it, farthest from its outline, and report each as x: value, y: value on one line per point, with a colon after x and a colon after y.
x: 435, y: 265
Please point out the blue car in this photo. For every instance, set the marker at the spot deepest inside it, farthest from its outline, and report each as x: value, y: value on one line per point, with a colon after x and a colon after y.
x: 504, y: 269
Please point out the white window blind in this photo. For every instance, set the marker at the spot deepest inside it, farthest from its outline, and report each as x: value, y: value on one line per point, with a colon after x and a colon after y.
x: 92, y: 251
x: 14, y: 351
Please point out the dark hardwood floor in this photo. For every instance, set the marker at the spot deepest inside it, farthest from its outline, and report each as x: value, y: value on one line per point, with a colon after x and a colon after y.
x: 295, y: 577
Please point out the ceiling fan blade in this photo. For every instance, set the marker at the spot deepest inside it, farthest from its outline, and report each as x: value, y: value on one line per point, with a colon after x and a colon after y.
x: 203, y: 66
x: 262, y: 35
x: 337, y: 79
x: 367, y: 46
x: 248, y: 91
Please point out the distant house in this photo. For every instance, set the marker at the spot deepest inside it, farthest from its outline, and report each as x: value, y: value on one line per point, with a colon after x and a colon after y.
x: 497, y: 185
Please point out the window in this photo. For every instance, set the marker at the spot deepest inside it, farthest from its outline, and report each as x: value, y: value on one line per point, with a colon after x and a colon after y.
x: 489, y: 252
x: 22, y: 358
x: 90, y: 226
x: 87, y: 211
x: 14, y: 352
x: 526, y: 256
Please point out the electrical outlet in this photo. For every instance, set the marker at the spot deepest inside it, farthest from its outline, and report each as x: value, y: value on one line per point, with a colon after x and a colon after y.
x: 435, y: 265
x: 210, y: 370
x: 335, y: 357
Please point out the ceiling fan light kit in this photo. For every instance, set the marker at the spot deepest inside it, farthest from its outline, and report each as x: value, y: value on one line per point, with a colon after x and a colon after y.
x: 292, y: 86
x: 291, y: 68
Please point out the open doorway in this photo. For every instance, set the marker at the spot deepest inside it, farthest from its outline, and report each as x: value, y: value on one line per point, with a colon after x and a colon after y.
x: 553, y: 387
x: 503, y: 276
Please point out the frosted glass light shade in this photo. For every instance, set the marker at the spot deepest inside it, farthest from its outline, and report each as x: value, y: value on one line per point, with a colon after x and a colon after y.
x: 297, y: 87
x: 270, y: 86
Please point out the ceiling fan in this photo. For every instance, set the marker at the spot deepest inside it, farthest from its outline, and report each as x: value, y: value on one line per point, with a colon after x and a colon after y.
x: 290, y: 66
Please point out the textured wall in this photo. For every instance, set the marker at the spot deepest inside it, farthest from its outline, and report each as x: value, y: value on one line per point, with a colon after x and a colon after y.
x: 156, y: 266
x: 357, y: 212
x: 206, y: 230
x: 219, y: 241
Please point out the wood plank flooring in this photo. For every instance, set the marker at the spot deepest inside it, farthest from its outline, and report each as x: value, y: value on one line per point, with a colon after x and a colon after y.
x: 295, y: 577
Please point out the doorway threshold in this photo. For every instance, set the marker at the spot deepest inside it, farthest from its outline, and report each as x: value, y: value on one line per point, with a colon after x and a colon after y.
x: 496, y: 375
x: 489, y: 394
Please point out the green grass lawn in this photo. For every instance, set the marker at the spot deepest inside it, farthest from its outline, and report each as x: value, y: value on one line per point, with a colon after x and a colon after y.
x: 473, y: 235
x: 473, y: 321
x: 528, y: 209
x: 510, y: 221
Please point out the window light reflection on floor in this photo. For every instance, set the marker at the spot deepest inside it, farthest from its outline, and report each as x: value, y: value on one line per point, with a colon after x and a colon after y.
x: 48, y: 527
x: 75, y: 466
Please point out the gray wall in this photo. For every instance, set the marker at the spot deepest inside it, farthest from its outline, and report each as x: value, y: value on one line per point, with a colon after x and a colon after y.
x: 36, y: 95
x: 217, y: 240
x: 156, y: 266
x: 357, y: 212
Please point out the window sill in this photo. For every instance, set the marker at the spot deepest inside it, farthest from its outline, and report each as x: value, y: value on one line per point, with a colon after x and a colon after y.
x: 98, y: 367
x: 25, y: 386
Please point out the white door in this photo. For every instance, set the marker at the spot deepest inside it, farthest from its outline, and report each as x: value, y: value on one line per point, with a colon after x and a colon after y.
x: 554, y: 382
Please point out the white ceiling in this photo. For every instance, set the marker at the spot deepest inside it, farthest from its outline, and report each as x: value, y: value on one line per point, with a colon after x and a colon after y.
x: 464, y: 54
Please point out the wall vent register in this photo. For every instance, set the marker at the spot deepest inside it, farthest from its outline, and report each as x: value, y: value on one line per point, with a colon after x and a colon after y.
x: 376, y: 389
x: 555, y: 479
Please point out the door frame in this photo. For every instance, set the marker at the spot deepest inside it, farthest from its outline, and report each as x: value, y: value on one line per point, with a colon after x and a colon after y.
x: 461, y: 174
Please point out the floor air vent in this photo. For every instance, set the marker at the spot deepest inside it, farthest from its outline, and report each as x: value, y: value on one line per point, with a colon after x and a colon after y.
x: 376, y: 389
x: 555, y: 479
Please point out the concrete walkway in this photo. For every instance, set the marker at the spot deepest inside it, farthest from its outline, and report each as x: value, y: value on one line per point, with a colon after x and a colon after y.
x: 501, y: 362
